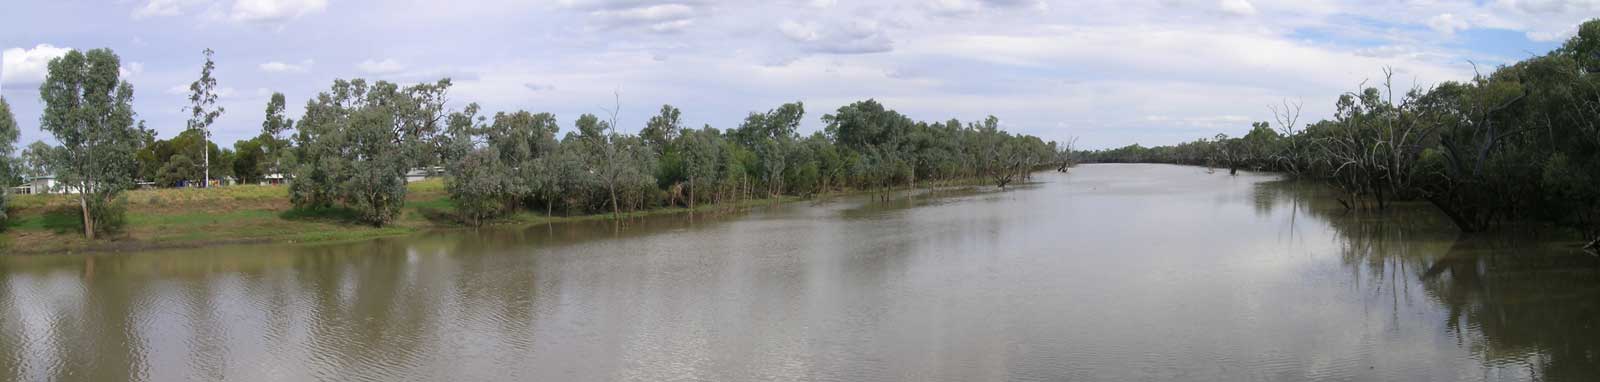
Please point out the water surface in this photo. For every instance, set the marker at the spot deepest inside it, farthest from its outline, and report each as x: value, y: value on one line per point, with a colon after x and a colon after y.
x: 1113, y: 272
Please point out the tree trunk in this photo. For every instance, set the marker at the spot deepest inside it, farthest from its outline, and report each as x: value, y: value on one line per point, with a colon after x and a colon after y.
x: 691, y: 193
x: 207, y: 148
x: 615, y: 213
x: 88, y: 219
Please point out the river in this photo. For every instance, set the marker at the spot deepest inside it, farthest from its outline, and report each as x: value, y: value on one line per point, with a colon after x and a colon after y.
x: 1112, y: 272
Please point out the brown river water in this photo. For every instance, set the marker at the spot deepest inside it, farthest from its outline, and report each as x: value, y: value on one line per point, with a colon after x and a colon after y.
x: 1112, y: 272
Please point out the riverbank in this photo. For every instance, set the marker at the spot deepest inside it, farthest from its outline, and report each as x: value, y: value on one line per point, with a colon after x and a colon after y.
x: 190, y: 218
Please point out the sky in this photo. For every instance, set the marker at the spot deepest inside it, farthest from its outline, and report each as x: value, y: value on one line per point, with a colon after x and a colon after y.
x: 1110, y: 73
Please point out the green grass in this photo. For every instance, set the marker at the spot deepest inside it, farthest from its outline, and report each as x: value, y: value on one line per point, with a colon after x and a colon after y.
x: 250, y: 214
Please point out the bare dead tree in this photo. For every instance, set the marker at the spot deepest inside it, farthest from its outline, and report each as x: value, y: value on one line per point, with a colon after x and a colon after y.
x: 1064, y: 154
x: 608, y: 149
x: 1287, y: 115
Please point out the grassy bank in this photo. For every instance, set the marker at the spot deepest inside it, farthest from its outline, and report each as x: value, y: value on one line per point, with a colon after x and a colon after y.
x: 174, y: 218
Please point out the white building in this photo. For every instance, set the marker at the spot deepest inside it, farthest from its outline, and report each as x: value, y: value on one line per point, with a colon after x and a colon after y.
x: 422, y: 173
x: 274, y: 179
x: 44, y: 185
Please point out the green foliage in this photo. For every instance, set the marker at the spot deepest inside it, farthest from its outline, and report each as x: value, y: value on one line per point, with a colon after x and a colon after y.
x: 1585, y: 46
x: 156, y: 156
x: 8, y: 167
x: 178, y: 168
x: 204, y: 111
x: 110, y: 214
x: 1521, y: 142
x: 481, y: 186
x: 89, y: 110
x: 594, y: 168
x: 663, y: 128
x: 356, y: 142
x: 37, y: 159
x: 8, y: 130
x: 276, y: 156
x: 249, y: 160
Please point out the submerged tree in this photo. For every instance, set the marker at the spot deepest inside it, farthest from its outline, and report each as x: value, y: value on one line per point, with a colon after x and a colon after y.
x: 1519, y: 143
x: 481, y: 186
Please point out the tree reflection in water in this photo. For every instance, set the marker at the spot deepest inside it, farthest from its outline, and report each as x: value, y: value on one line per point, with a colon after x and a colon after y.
x: 1524, y: 298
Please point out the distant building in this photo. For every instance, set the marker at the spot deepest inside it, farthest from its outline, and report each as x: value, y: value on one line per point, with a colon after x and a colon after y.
x: 422, y: 173
x: 274, y: 179
x: 43, y: 185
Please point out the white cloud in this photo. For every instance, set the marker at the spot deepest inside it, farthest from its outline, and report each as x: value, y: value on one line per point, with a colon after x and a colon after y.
x: 1187, y: 65
x: 799, y: 32
x: 1447, y: 24
x: 1237, y: 7
x: 282, y: 67
x: 131, y: 69
x: 964, y: 7
x: 274, y: 11
x: 1035, y: 4
x: 163, y: 8
x: 21, y: 66
x: 953, y: 6
x: 859, y: 36
x: 248, y: 11
x: 660, y: 18
x: 380, y: 67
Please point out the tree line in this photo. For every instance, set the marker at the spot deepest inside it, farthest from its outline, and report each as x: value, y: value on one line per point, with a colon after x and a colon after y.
x: 1519, y: 143
x: 515, y: 161
x: 356, y: 142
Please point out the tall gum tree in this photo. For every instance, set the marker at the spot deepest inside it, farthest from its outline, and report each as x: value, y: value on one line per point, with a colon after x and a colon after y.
x: 8, y: 137
x: 203, y: 109
x: 89, y: 110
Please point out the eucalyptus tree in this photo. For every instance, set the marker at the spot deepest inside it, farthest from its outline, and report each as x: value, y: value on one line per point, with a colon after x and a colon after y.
x: 1066, y: 155
x: 8, y: 130
x: 1520, y: 142
x: 699, y: 150
x: 575, y: 181
x: 601, y: 159
x: 8, y: 140
x: 89, y: 110
x: 357, y: 141
x: 203, y: 110
x: 635, y: 177
x: 249, y: 161
x: 996, y: 154
x: 1290, y: 156
x: 155, y: 157
x: 663, y: 128
x: 274, y: 143
x: 480, y: 184
x: 176, y: 169
x: 37, y: 159
x: 830, y: 163
x: 772, y: 136
x: 661, y: 133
